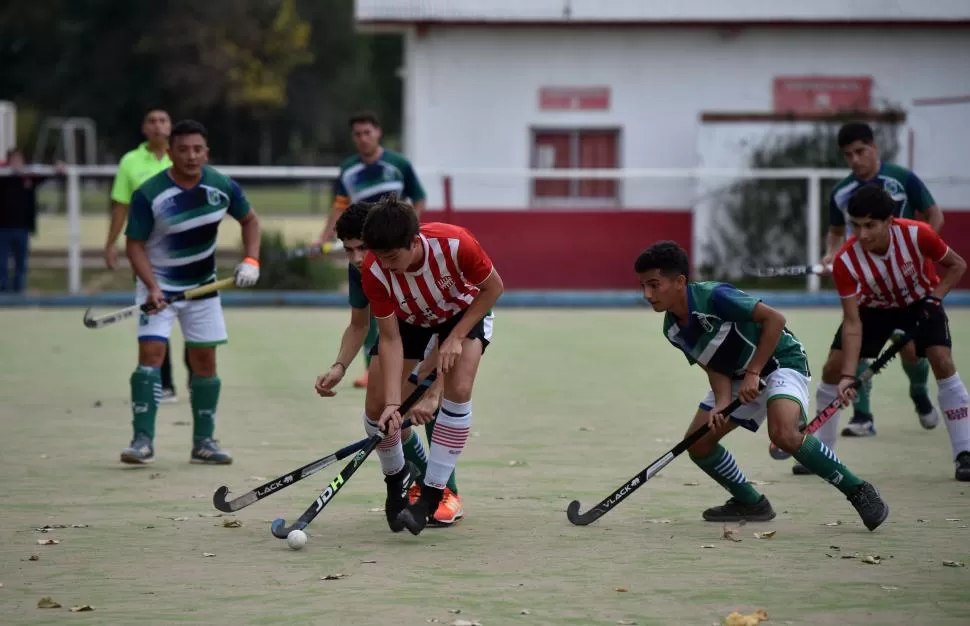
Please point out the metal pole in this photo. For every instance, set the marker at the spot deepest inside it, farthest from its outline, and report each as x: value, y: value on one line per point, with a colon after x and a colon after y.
x: 73, y: 230
x: 814, y: 217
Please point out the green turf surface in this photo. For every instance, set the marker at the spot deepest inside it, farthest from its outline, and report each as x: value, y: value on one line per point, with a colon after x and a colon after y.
x: 569, y: 404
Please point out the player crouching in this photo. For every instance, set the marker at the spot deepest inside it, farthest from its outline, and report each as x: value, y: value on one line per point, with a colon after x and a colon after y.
x: 887, y: 279
x: 738, y: 341
x: 422, y: 282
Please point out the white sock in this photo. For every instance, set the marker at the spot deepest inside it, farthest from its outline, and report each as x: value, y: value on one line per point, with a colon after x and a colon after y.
x: 829, y: 433
x: 389, y: 450
x: 447, y: 441
x: 955, y: 406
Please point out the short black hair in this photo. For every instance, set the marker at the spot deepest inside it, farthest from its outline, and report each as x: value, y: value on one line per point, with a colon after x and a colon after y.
x: 364, y: 117
x: 350, y: 224
x: 390, y: 225
x: 154, y: 109
x: 184, y: 128
x: 666, y: 256
x: 871, y: 201
x: 855, y: 131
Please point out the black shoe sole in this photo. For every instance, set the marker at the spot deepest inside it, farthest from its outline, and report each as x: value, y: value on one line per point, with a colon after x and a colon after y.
x: 136, y: 460
x: 413, y: 525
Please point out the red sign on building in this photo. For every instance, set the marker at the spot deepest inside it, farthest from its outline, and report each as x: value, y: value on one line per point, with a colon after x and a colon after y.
x: 574, y: 98
x: 822, y: 94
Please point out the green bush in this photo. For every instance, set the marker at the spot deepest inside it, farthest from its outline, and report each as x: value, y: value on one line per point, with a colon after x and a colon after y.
x: 276, y: 272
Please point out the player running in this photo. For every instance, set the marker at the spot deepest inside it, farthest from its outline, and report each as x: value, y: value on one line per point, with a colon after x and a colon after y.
x: 173, y: 221
x: 422, y: 282
x: 350, y: 225
x: 887, y: 280
x: 738, y: 341
x: 913, y: 200
x: 369, y: 175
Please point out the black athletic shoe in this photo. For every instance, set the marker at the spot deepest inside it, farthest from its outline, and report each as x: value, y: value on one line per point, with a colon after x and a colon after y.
x: 869, y: 505
x: 963, y: 467
x: 861, y: 425
x: 800, y: 470
x: 735, y: 511
x: 415, y: 516
x: 397, y: 495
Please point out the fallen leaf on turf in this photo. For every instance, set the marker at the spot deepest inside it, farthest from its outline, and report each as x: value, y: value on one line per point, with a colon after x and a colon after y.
x: 922, y: 521
x: 47, y: 603
x: 48, y: 542
x: 33, y: 557
x: 258, y: 479
x: 834, y: 548
x: 872, y: 560
x: 585, y: 429
x: 454, y: 611
x: 79, y: 525
x: 692, y: 484
x: 837, y: 522
x: 659, y: 521
x: 154, y: 476
x: 333, y: 576
x: 768, y: 534
x: 149, y: 527
x: 888, y: 588
x: 522, y: 612
x: 621, y: 589
x: 377, y: 509
x: 952, y: 519
x: 761, y: 483
x: 953, y: 564
x: 516, y: 463
x: 231, y: 523
x: 626, y: 622
x: 737, y: 619
x: 710, y: 545
x: 368, y: 561
x: 210, y: 514
x: 178, y: 519
x: 208, y: 554
x: 728, y: 533
x: 180, y: 423
x: 465, y: 622
x: 82, y: 608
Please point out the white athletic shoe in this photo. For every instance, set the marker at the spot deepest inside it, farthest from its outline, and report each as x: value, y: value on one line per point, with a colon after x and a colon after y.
x: 168, y: 397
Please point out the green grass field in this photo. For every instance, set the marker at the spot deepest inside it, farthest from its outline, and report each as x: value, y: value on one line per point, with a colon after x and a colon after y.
x: 569, y: 404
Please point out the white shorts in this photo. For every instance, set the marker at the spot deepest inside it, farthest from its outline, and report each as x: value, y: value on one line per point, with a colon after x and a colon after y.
x: 781, y: 383
x: 201, y: 321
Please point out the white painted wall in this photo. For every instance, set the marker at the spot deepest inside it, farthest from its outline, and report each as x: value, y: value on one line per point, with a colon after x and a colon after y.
x: 471, y: 94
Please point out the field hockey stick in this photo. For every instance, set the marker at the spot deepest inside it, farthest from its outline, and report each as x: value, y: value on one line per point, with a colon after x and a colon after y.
x: 604, y: 507
x: 899, y: 340
x: 100, y: 322
x: 279, y: 528
x: 269, y: 488
x: 312, y: 251
x: 784, y: 270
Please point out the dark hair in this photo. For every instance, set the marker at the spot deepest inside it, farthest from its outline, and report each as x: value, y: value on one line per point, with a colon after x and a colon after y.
x: 364, y: 117
x: 666, y: 256
x: 151, y: 110
x: 350, y: 224
x: 871, y: 201
x: 855, y: 131
x: 390, y: 225
x: 184, y: 128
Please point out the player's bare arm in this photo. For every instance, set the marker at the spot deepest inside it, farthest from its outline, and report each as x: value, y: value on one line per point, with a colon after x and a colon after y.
x: 833, y: 241
x: 934, y: 217
x: 851, y: 345
x: 721, y: 386
x: 490, y: 290
x: 119, y: 214
x: 772, y: 324
x: 138, y: 257
x: 954, y: 267
x: 350, y: 344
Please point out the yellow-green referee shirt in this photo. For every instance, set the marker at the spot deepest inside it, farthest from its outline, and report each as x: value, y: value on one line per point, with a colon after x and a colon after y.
x: 135, y: 168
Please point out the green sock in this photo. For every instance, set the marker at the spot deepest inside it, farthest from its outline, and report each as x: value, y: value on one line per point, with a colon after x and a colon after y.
x: 918, y: 374
x: 452, y: 481
x: 146, y: 387
x: 204, y: 392
x: 414, y: 452
x: 817, y: 457
x: 722, y: 467
x: 861, y: 402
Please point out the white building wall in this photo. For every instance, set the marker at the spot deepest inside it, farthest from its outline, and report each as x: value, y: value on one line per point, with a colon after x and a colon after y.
x: 472, y: 93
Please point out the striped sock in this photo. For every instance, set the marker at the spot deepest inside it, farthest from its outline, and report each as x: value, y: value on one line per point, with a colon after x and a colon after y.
x: 819, y: 458
x: 389, y: 450
x: 448, y: 440
x: 722, y: 467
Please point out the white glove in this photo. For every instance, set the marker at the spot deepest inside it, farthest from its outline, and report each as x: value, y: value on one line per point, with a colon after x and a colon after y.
x: 247, y: 273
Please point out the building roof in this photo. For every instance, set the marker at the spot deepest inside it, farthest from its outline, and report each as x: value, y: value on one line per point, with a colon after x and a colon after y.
x: 662, y: 12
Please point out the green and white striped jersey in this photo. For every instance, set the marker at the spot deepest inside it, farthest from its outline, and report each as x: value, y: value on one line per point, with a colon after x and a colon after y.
x: 721, y: 334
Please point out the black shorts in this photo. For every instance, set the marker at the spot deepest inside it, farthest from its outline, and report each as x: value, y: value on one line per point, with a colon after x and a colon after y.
x: 878, y: 326
x: 416, y: 338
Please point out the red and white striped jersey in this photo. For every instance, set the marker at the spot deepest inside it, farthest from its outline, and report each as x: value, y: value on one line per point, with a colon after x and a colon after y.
x: 444, y: 285
x: 904, y: 274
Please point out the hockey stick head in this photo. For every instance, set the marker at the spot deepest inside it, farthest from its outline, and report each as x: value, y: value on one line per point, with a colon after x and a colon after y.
x: 89, y: 320
x: 582, y: 519
x: 219, y: 499
x: 282, y: 531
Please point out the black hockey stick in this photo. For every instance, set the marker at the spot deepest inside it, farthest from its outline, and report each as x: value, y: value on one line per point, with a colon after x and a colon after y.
x: 91, y: 321
x: 604, y: 507
x: 784, y: 270
x: 899, y: 341
x: 279, y: 527
x: 269, y: 488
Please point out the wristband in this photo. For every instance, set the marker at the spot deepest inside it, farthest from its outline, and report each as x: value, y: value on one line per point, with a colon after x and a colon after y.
x: 752, y: 372
x: 251, y: 261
